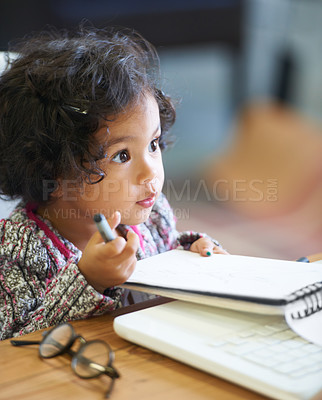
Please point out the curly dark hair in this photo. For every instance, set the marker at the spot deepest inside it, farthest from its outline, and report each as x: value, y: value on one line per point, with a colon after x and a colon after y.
x: 54, y: 95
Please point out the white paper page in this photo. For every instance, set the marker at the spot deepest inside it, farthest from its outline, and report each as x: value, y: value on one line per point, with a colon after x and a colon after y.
x: 310, y: 327
x: 226, y: 274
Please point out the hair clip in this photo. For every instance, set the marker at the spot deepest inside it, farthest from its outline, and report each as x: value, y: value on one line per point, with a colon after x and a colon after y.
x: 77, y: 109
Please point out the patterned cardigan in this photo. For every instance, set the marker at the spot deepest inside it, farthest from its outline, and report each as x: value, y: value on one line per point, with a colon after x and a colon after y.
x: 40, y: 283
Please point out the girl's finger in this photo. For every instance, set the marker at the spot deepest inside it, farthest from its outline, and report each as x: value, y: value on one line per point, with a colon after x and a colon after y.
x: 219, y: 250
x: 114, y: 220
x: 205, y: 247
x: 132, y: 245
x: 206, y: 251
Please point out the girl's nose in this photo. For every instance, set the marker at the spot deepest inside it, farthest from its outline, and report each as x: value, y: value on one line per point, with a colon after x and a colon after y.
x: 147, y: 172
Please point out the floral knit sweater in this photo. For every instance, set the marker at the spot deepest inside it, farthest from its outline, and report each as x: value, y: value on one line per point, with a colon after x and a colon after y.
x: 40, y: 283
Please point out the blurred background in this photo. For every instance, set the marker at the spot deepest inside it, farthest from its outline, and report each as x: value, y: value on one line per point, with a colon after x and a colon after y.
x: 246, y: 74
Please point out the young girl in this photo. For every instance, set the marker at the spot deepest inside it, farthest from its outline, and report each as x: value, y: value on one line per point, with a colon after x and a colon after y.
x: 82, y: 126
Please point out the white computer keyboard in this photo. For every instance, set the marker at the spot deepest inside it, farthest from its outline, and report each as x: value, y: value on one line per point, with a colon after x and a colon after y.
x: 275, y: 347
x: 257, y: 351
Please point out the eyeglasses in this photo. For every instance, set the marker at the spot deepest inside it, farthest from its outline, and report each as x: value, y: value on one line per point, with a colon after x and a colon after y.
x: 91, y: 360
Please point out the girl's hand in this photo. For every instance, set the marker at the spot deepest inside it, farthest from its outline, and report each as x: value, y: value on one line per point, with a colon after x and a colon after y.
x: 205, y: 247
x: 108, y: 264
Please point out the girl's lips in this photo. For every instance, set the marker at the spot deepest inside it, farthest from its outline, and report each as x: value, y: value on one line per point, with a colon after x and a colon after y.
x: 148, y: 202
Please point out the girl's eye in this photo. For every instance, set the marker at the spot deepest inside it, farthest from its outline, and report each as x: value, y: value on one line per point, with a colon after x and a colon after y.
x: 121, y: 157
x: 154, y: 145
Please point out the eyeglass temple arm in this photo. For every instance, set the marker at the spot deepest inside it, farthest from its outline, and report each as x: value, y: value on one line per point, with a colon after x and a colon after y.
x: 110, y: 389
x: 24, y: 342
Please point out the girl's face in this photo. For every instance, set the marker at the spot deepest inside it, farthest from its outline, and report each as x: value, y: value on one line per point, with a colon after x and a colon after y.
x: 133, y: 166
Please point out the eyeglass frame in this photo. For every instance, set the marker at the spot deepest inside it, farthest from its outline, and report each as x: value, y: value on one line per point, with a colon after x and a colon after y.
x: 108, y: 370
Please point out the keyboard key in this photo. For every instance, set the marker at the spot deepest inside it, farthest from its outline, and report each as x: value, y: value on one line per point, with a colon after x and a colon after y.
x: 300, y: 373
x: 270, y: 340
x: 305, y: 361
x: 317, y: 356
x: 287, y: 367
x: 265, y: 362
x: 284, y: 358
x: 236, y: 339
x: 217, y: 343
x: 297, y: 353
x: 285, y: 335
x: 293, y: 344
x: 314, y: 368
x: 278, y: 348
x: 278, y: 327
x: 245, y: 348
x: 263, y: 330
x: 309, y: 370
x: 311, y: 348
x: 264, y: 352
x: 246, y: 334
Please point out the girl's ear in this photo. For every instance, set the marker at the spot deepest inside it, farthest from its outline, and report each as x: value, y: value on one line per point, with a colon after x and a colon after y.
x: 67, y: 188
x: 56, y: 190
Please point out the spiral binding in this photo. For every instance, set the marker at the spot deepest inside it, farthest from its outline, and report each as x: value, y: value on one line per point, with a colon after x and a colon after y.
x: 312, y: 296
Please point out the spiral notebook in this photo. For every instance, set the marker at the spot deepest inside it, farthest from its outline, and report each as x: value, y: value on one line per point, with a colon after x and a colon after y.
x: 251, y: 284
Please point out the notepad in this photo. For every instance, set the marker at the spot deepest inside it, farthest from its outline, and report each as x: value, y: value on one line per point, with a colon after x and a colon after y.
x: 251, y: 284
x: 220, y: 278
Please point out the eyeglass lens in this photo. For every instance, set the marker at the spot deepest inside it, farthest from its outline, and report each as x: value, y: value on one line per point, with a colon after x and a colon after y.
x: 56, y: 340
x: 91, y: 359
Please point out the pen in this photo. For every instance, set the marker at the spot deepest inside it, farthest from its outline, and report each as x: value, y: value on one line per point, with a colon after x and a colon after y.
x: 103, y: 228
x: 303, y: 259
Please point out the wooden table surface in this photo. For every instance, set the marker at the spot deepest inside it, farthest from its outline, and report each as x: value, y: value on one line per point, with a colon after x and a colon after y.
x: 145, y: 375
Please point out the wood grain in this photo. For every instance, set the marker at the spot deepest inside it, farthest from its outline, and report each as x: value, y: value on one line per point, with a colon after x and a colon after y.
x: 145, y: 375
